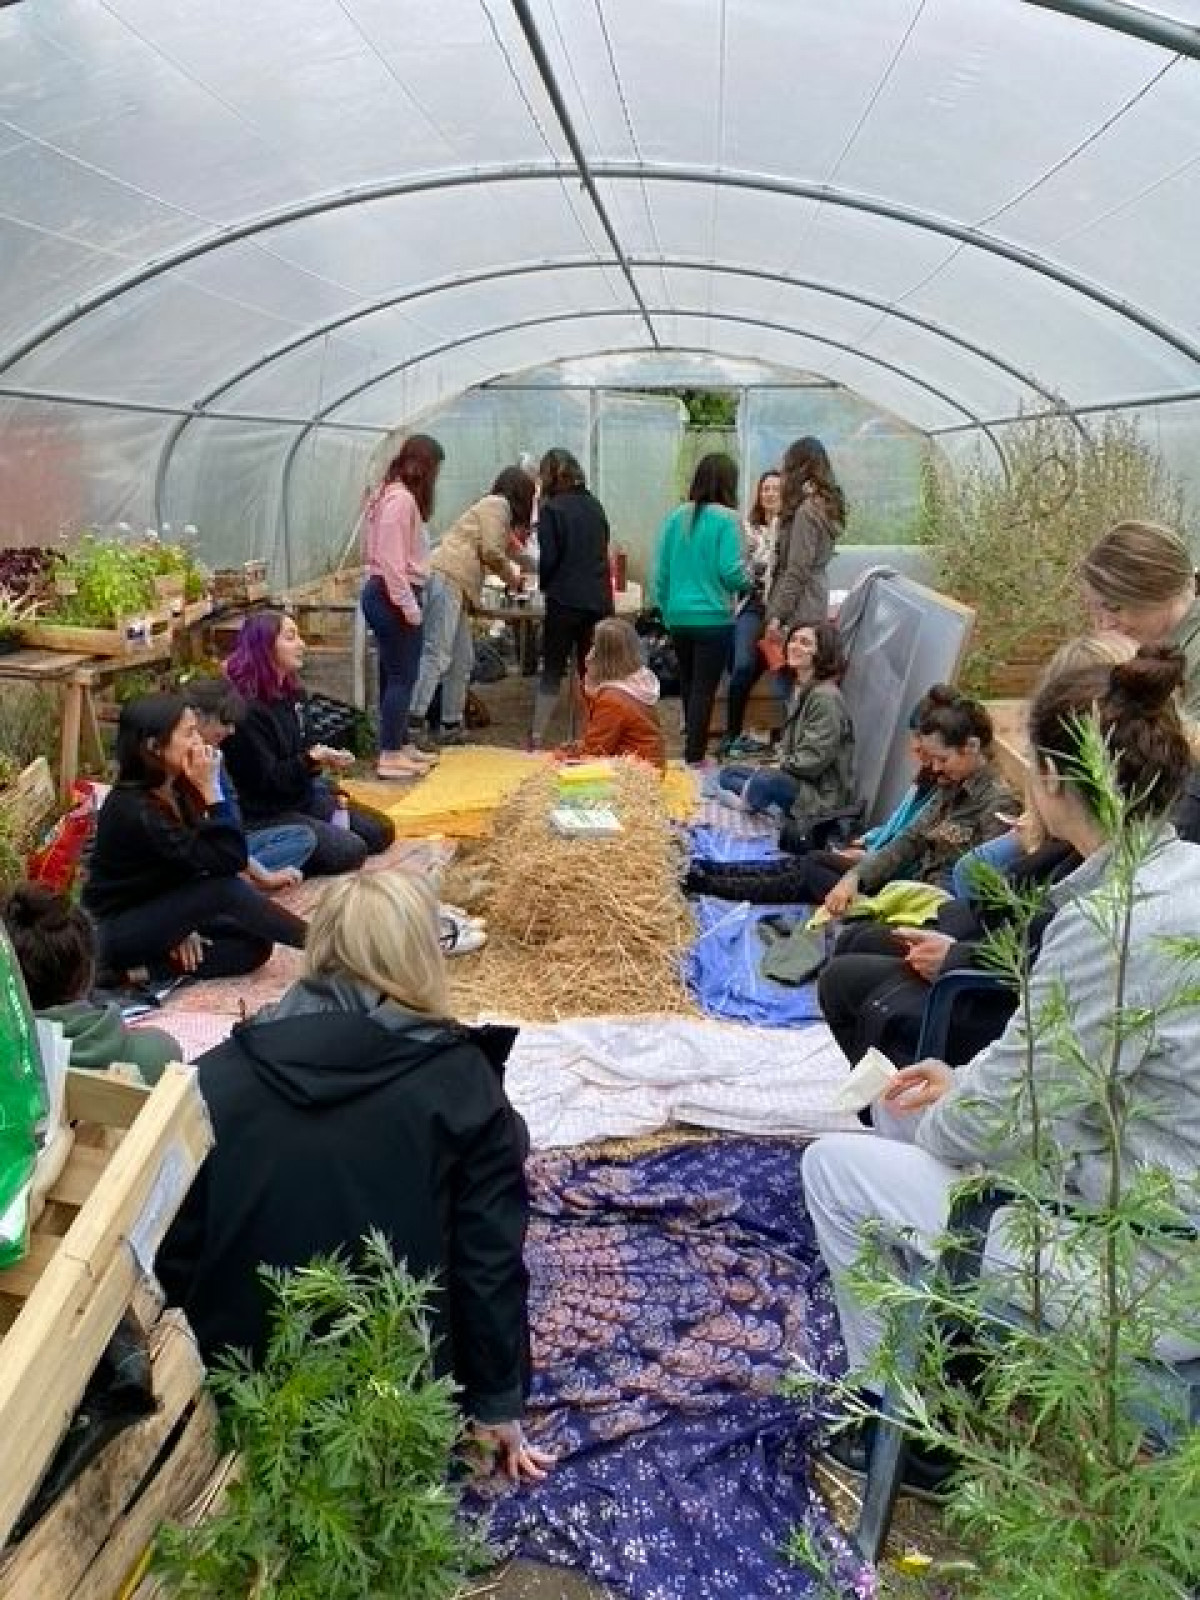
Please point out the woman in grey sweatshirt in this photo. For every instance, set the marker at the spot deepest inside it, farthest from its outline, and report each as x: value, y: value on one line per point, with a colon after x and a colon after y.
x: 934, y: 1126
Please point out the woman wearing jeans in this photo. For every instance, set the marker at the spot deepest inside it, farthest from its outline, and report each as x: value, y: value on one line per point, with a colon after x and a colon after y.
x: 483, y: 537
x: 698, y: 574
x: 815, y: 770
x: 164, y: 882
x: 396, y: 553
x: 277, y: 767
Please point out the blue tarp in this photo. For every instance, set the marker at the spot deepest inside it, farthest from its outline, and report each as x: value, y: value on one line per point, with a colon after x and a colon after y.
x: 722, y: 967
x: 719, y: 844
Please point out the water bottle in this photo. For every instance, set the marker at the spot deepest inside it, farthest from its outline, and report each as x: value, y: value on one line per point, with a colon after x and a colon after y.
x: 341, y: 813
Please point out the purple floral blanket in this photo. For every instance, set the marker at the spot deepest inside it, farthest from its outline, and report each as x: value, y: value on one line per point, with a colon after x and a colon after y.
x: 669, y: 1296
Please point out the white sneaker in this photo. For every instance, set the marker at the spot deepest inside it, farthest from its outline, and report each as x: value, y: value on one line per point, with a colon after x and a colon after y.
x: 459, y: 938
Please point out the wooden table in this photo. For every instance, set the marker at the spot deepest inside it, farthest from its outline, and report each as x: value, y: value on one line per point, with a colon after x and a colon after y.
x: 77, y: 676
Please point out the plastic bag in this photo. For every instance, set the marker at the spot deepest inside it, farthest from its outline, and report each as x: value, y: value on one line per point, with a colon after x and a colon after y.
x: 56, y: 863
x: 22, y: 1104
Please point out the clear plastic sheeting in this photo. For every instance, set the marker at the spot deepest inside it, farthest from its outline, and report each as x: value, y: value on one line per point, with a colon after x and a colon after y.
x: 311, y: 214
x: 63, y: 468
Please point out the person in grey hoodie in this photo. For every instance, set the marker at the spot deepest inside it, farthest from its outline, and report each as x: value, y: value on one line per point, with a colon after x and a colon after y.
x: 55, y: 945
x: 934, y: 1125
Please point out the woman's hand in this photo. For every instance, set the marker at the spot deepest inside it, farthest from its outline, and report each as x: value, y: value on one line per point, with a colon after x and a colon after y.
x: 189, y: 952
x: 412, y: 616
x: 326, y: 756
x: 842, y: 896
x: 915, y: 1088
x: 925, y: 950
x: 269, y: 882
x: 504, y: 1448
x: 202, y: 769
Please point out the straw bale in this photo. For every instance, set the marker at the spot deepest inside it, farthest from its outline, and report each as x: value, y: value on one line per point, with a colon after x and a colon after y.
x: 576, y: 927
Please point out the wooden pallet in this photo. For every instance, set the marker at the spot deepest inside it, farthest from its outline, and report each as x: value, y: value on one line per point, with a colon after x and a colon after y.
x: 132, y: 1160
x: 93, y: 1536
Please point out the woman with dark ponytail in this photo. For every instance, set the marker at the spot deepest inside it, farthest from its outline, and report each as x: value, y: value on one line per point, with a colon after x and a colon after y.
x: 933, y: 1124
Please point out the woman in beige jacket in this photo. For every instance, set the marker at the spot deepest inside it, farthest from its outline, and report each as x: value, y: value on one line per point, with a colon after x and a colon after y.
x: 482, y: 539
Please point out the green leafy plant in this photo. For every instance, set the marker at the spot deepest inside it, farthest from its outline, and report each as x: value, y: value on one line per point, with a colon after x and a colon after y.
x: 1057, y: 1495
x: 1011, y: 544
x: 346, y: 1443
x: 102, y: 581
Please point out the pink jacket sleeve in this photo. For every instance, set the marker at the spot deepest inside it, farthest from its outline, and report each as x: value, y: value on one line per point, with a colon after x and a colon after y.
x: 395, y: 548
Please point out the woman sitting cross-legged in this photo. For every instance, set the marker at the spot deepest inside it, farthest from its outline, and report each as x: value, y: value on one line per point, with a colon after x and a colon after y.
x: 163, y: 883
x: 358, y: 1103
x: 277, y: 768
x: 956, y: 741
x: 935, y: 1126
x: 621, y: 696
x: 814, y: 769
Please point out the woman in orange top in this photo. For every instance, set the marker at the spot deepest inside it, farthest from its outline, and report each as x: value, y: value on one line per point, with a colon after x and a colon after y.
x: 621, y: 695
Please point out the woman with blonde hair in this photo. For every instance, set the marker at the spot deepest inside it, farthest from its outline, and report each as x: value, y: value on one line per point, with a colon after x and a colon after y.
x: 1140, y: 579
x: 621, y: 696
x: 358, y: 1103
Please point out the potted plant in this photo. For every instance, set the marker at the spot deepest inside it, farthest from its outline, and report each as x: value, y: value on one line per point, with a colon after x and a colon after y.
x: 1009, y: 541
x: 345, y: 1442
x: 102, y: 583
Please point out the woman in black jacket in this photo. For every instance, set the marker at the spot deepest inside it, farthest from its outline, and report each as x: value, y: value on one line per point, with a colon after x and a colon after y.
x: 274, y: 762
x: 164, y: 882
x: 355, y: 1104
x: 573, y: 575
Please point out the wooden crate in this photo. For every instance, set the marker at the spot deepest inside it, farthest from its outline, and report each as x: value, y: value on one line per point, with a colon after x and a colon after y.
x: 30, y: 800
x: 195, y: 611
x: 94, y: 1534
x: 129, y: 641
x: 239, y: 586
x: 133, y: 1159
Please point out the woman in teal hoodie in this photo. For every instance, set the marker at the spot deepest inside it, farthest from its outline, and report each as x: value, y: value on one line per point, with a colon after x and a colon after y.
x: 55, y: 945
x: 698, y: 574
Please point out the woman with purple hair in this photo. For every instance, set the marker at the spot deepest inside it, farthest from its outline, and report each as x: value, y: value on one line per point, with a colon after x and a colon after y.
x: 277, y: 768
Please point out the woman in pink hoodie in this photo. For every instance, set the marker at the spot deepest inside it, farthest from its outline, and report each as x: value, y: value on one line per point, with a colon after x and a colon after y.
x: 396, y: 554
x: 621, y: 695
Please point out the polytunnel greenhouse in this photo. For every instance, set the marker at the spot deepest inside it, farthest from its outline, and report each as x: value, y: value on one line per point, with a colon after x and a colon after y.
x: 599, y: 799
x: 246, y: 246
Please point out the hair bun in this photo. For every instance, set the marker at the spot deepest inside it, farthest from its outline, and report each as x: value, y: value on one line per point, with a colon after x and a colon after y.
x: 943, y: 694
x: 33, y: 905
x: 1149, y: 679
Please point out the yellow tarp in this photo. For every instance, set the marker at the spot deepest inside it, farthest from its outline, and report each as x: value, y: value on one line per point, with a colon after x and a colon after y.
x: 463, y: 792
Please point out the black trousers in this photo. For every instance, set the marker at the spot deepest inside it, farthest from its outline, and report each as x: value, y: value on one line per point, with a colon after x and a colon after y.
x: 795, y: 879
x: 241, y: 923
x: 567, y: 632
x: 338, y: 849
x: 869, y: 996
x: 703, y: 654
